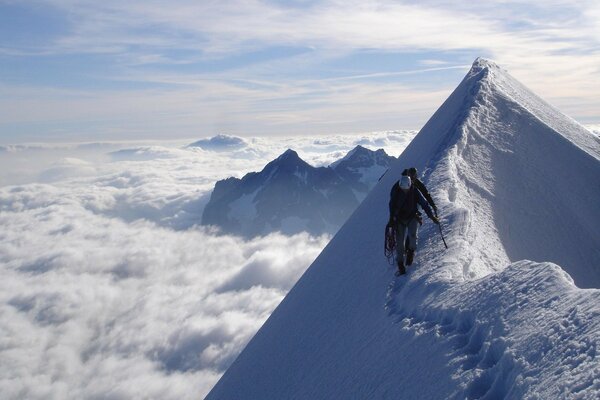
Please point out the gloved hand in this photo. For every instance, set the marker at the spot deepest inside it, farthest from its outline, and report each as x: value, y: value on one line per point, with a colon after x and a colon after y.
x: 435, y: 220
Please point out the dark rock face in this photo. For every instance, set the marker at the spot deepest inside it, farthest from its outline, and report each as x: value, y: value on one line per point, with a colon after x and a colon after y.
x: 291, y: 196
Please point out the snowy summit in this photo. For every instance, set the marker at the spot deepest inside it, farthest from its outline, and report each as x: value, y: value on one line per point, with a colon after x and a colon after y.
x: 512, y: 308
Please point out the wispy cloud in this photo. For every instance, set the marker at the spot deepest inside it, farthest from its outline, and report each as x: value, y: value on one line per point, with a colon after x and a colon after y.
x: 196, y: 107
x: 234, y: 26
x: 229, y: 58
x: 396, y: 73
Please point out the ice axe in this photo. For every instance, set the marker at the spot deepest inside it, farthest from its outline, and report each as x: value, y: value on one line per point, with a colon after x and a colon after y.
x: 441, y: 233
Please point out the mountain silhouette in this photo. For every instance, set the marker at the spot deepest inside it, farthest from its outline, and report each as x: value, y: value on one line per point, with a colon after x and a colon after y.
x: 291, y: 196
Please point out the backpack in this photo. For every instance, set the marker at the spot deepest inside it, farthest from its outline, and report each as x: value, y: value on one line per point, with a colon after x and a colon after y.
x: 404, y: 204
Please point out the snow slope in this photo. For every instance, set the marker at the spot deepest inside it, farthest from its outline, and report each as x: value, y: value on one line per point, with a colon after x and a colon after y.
x: 510, y: 310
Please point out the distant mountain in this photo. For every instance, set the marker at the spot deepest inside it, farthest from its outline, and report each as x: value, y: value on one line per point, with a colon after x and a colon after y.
x: 220, y: 143
x: 291, y: 196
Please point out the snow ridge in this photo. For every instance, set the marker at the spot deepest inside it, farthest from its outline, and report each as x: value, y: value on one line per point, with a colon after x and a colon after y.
x: 517, y: 338
x: 499, y: 315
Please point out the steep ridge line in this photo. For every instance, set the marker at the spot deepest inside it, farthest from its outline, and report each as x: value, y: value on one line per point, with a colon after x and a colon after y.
x: 478, y: 351
x: 476, y: 321
x: 494, y: 162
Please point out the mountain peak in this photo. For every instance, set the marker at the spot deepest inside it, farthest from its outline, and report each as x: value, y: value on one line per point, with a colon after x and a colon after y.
x: 289, y: 154
x: 360, y: 150
x: 484, y: 68
x: 481, y: 63
x: 288, y: 159
x: 491, y: 156
x: 360, y: 154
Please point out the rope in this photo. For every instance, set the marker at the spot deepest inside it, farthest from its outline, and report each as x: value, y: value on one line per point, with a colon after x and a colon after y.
x: 389, y: 248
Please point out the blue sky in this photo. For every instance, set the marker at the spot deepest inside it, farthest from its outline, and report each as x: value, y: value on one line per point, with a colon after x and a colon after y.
x: 88, y: 70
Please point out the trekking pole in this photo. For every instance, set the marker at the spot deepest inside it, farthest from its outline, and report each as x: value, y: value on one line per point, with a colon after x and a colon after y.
x: 441, y: 233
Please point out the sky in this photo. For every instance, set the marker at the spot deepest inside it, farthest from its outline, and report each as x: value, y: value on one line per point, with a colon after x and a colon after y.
x: 110, y: 287
x: 73, y: 71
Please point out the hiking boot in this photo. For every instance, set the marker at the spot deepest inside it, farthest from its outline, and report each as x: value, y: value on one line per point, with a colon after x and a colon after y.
x: 401, y: 269
x: 410, y: 255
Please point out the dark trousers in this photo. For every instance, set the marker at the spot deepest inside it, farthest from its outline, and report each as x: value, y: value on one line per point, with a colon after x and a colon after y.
x: 403, y: 232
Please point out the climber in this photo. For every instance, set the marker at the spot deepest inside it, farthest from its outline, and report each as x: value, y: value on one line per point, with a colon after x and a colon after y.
x: 420, y: 186
x: 404, y: 218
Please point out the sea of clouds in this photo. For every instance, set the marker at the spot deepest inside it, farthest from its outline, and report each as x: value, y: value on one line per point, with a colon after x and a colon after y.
x: 110, y: 287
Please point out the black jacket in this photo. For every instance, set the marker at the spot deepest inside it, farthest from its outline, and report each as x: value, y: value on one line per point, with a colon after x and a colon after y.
x: 403, y: 204
x: 421, y: 187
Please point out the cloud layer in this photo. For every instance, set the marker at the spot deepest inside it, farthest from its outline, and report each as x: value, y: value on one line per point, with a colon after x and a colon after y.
x: 97, y: 307
x: 109, y: 289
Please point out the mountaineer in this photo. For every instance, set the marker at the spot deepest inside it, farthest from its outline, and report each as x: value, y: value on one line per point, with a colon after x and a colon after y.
x: 405, y: 219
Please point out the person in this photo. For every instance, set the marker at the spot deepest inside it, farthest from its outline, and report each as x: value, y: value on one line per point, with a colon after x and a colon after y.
x: 404, y: 201
x: 420, y: 186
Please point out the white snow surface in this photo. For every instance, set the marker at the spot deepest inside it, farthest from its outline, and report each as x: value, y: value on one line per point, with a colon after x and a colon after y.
x: 511, y: 310
x: 244, y: 208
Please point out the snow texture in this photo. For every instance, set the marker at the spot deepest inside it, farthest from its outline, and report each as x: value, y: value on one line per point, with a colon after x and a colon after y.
x: 512, y: 308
